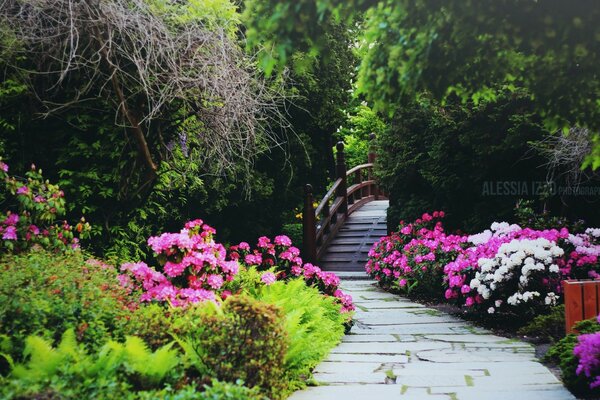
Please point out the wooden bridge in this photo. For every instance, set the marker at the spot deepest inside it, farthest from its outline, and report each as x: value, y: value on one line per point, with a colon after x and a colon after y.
x: 348, y: 220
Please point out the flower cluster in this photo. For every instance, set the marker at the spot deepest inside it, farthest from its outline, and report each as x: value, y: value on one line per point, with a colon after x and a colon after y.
x: 282, y: 261
x: 412, y: 257
x: 33, y: 222
x: 587, y: 351
x: 522, y: 271
x: 193, y: 267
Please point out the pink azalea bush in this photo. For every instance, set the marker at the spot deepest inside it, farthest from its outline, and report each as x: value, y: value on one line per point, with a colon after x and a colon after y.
x: 280, y: 256
x: 504, y: 268
x: 194, y: 268
x: 31, y: 209
x: 412, y: 258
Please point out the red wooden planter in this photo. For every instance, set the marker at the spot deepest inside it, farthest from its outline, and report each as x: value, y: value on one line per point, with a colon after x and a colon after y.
x: 581, y: 301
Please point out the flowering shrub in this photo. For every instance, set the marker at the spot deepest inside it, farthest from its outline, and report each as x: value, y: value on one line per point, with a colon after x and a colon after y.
x: 412, y: 258
x: 31, y: 207
x: 519, y: 265
x: 504, y: 268
x: 193, y: 267
x: 522, y: 272
x: 282, y: 261
x: 578, y: 357
x: 588, y: 353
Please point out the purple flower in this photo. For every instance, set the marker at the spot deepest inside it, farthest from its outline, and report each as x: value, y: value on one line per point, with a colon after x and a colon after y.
x: 588, y: 353
x: 23, y: 190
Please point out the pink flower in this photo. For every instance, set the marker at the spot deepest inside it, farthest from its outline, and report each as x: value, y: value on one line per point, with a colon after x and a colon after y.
x: 215, y: 281
x: 12, y: 219
x: 402, y: 282
x: 243, y: 246
x: 193, y: 224
x: 268, y: 278
x: 253, y: 259
x: 263, y: 242
x: 10, y: 233
x: 23, y: 190
x: 282, y: 240
x: 3, y: 166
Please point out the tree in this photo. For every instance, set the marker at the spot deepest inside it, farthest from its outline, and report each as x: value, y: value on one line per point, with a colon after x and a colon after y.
x: 470, y: 48
x: 147, y: 112
x: 162, y: 67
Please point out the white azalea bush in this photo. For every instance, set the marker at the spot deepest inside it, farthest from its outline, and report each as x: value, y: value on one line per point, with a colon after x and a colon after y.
x: 522, y: 277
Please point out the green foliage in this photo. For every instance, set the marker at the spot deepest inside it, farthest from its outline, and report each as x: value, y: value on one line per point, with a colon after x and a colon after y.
x: 215, y: 391
x: 245, y: 339
x: 463, y: 48
x: 313, y: 323
x: 361, y: 122
x: 561, y: 353
x: 45, y: 294
x: 68, y: 371
x: 460, y: 159
x: 550, y: 327
x: 526, y: 215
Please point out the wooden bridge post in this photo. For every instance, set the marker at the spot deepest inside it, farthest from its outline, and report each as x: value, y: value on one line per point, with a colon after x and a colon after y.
x: 374, y: 190
x: 309, y: 226
x: 340, y: 167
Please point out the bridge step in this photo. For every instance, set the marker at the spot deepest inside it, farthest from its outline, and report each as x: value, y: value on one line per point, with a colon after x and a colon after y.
x: 347, y: 253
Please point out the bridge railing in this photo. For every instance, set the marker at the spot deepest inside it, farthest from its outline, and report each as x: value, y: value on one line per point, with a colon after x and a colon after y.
x: 350, y: 191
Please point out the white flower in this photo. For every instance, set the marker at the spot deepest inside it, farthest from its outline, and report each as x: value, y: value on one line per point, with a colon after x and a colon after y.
x: 491, y: 310
x: 553, y: 268
x: 595, y: 232
x: 475, y: 283
x: 551, y: 299
x: 498, y: 303
x: 480, y: 238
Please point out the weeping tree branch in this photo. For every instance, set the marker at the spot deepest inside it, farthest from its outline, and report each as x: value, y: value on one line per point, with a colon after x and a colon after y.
x: 149, y: 66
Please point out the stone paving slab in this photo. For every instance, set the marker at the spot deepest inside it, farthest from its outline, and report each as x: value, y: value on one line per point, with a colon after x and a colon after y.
x: 370, y: 338
x: 432, y: 355
x: 369, y: 358
x: 363, y: 392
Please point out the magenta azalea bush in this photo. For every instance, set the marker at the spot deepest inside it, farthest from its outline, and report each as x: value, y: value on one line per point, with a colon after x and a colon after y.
x: 282, y: 261
x: 194, y: 268
x: 412, y: 258
x: 31, y: 207
x: 587, y: 351
x: 505, y: 268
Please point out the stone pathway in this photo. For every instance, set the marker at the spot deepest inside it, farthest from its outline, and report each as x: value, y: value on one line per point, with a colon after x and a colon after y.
x: 432, y: 355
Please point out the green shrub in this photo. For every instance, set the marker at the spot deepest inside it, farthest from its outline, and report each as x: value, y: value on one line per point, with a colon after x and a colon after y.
x: 215, y: 391
x: 313, y: 323
x: 69, y: 372
x: 45, y: 294
x: 550, y: 327
x: 561, y: 354
x: 244, y: 339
